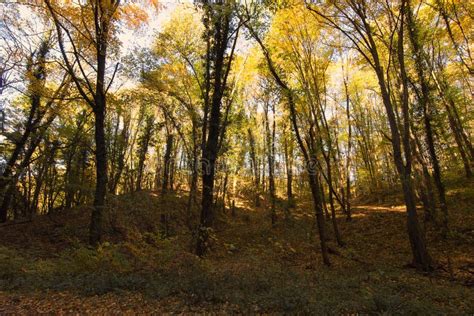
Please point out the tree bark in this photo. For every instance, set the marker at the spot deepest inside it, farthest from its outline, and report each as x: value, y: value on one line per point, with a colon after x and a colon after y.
x: 167, y: 164
x: 144, y: 142
x: 288, y: 153
x: 95, y: 228
x: 348, y: 158
x: 270, y: 139
x: 255, y: 167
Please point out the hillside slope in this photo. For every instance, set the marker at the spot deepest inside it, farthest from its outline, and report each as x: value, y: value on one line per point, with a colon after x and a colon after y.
x: 45, y: 265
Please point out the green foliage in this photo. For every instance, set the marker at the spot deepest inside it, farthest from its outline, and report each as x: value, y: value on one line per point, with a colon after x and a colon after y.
x: 11, y: 265
x: 159, y: 270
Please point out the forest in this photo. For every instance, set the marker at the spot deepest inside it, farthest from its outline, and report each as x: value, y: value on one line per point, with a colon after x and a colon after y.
x: 227, y: 156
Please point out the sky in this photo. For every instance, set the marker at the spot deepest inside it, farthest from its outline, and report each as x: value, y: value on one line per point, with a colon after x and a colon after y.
x: 156, y: 19
x: 143, y: 37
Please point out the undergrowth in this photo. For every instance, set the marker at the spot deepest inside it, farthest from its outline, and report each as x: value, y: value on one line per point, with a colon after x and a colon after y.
x: 161, y: 270
x: 254, y: 267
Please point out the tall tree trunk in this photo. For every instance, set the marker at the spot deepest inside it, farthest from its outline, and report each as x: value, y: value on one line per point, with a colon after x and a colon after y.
x: 425, y: 101
x: 348, y: 158
x: 93, y: 93
x: 95, y: 228
x: 426, y: 187
x: 167, y: 164
x: 288, y: 153
x: 99, y: 108
x: 193, y: 183
x: 219, y: 31
x: 255, y: 167
x: 421, y: 258
x: 320, y: 222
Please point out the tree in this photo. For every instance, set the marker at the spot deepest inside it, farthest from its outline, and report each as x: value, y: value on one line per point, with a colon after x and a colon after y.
x: 221, y: 34
x: 427, y: 106
x: 306, y: 144
x: 40, y: 115
x: 355, y: 21
x: 179, y: 48
x: 89, y: 26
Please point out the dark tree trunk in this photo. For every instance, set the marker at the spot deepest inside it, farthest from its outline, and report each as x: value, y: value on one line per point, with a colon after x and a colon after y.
x: 95, y: 228
x: 348, y: 159
x: 318, y: 209
x: 208, y: 173
x: 218, y: 25
x: 94, y: 94
x: 167, y: 164
x: 255, y: 167
x: 324, y: 202
x: 288, y: 152
x: 194, y: 182
x: 333, y: 212
x: 99, y: 108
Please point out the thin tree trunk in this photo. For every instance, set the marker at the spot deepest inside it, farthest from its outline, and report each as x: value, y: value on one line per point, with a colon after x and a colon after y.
x: 270, y: 139
x: 348, y: 158
x: 193, y: 185
x: 254, y: 162
x: 288, y: 152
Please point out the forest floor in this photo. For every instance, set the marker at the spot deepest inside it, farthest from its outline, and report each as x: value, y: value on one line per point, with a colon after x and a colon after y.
x: 45, y: 265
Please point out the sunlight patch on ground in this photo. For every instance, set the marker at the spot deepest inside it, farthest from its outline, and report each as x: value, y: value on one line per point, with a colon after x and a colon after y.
x: 356, y: 215
x: 394, y: 208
